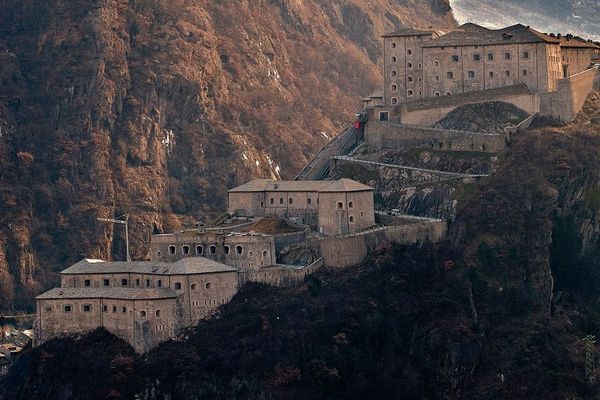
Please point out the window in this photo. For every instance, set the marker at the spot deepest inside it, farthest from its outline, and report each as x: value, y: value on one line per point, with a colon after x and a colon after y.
x: 408, y: 65
x: 476, y: 57
x: 394, y: 100
x: 290, y: 201
x: 159, y: 283
x: 86, y: 308
x: 393, y: 45
x: 193, y: 286
x: 106, y: 282
x: 124, y: 309
x: 124, y: 282
x: 350, y: 204
x: 351, y: 219
x: 87, y: 282
x: 262, y: 203
x: 158, y: 254
x: 281, y: 200
x: 185, y: 249
x: 114, y: 308
x: 436, y: 63
x: 340, y: 205
x: 213, y: 249
x: 265, y: 253
x: 157, y: 313
x: 450, y: 75
x: 309, y: 201
x: 437, y: 94
x: 436, y: 78
x: 471, y: 74
x: 272, y: 201
x: 177, y: 286
x: 491, y: 57
x: 226, y: 249
x: 524, y: 72
x: 172, y: 250
x: 408, y: 52
x: 448, y: 93
x: 239, y: 250
x: 137, y: 282
x: 207, y: 286
x: 383, y: 116
x: 394, y: 88
x: 147, y: 282
x: 507, y: 56
x: 507, y: 73
x: 455, y: 58
x: 410, y: 92
x: 393, y: 59
x: 525, y: 54
x: 491, y: 74
x: 394, y: 73
x: 48, y: 308
x: 68, y: 308
x: 409, y: 78
x: 105, y: 308
x: 199, y: 250
x: 142, y: 314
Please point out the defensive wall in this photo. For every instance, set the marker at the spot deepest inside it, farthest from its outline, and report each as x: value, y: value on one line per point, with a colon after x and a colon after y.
x: 388, y: 135
x: 346, y: 251
x: 280, y: 275
x: 567, y: 101
x: 342, y: 144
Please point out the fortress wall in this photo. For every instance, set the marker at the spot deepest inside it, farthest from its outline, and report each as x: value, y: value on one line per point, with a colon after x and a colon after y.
x: 280, y: 276
x: 284, y: 240
x: 567, y: 101
x: 390, y: 136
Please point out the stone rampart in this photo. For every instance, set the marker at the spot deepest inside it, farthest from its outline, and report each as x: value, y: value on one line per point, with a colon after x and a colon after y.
x: 381, y: 135
x: 567, y: 101
x: 280, y: 275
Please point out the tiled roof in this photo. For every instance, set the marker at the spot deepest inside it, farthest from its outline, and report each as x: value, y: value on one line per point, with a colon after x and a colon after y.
x: 409, y: 32
x: 262, y: 185
x: 577, y: 42
x: 475, y: 35
x: 185, y: 266
x: 108, y: 293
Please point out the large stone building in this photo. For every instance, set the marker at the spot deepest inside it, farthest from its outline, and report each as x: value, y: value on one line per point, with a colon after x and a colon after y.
x: 333, y: 207
x: 421, y: 63
x: 142, y: 302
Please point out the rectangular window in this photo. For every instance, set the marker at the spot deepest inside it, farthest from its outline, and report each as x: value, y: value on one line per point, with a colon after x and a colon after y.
x: 450, y: 75
x: 106, y: 282
x: 87, y: 308
x: 524, y: 72
x: 476, y: 57
x: 68, y: 308
x: 471, y: 74
x: 491, y: 74
x: 137, y: 282
x: 124, y: 309
x: 87, y: 282
x: 525, y: 54
x: 507, y: 56
x: 491, y: 57
x: 114, y: 308
x: 455, y: 58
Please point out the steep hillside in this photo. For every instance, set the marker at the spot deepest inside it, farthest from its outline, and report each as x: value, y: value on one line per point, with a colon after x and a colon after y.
x: 497, y: 312
x: 154, y: 108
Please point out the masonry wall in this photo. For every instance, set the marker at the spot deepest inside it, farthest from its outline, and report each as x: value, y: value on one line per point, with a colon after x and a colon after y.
x: 280, y: 276
x: 391, y: 136
x: 567, y: 101
x: 341, y: 213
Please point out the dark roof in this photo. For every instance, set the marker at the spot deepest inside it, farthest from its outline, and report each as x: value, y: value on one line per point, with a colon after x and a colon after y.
x: 185, y: 266
x: 577, y: 42
x: 409, y: 32
x: 262, y: 185
x: 475, y: 35
x: 108, y: 293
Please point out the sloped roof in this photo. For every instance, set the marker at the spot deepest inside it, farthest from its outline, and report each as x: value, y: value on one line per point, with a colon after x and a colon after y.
x: 475, y: 35
x: 409, y: 32
x: 264, y: 185
x: 108, y: 293
x: 577, y: 42
x: 185, y: 266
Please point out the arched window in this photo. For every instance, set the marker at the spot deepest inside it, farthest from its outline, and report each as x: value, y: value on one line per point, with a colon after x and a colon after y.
x: 340, y: 205
x: 185, y: 249
x: 409, y: 78
x: 309, y: 201
x: 213, y: 249
x: 351, y: 219
x: 172, y: 249
x: 393, y: 59
x: 436, y: 78
x: 239, y: 249
x: 207, y: 286
x: 350, y: 204
x: 226, y: 249
x: 448, y: 93
x: 436, y: 63
x: 408, y: 52
x: 193, y: 286
x: 87, y: 282
x: 157, y: 313
x: 394, y: 73
x: 199, y: 250
x: 142, y: 314
x: 409, y: 65
x: 265, y: 253
x: 393, y: 45
x: 394, y: 88
x: 177, y: 286
x: 281, y: 200
x: 394, y: 100
x: 437, y: 94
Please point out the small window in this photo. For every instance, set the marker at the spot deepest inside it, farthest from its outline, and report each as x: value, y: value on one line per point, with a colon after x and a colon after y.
x: 272, y: 201
x: 290, y: 200
x: 394, y: 73
x: 226, y: 249
x: 105, y: 308
x: 281, y: 200
x: 340, y: 205
x: 158, y: 313
x: 477, y: 57
x: 350, y: 204
x: 394, y: 100
x: 239, y: 250
x: 437, y: 94
x: 87, y: 282
x: 262, y: 203
x: 106, y: 282
x: 436, y: 78
x: 207, y: 286
x: 410, y: 92
x: 114, y: 308
x: 394, y: 88
x: 137, y: 282
x: 172, y: 250
x: 507, y: 56
x: 309, y: 201
x: 199, y: 250
x: 436, y: 63
x: 159, y: 283
x: 409, y: 78
x: 86, y: 308
x: 491, y: 74
x: 507, y: 73
x: 450, y: 75
x: 265, y: 253
x: 409, y: 65
x: 408, y: 52
x: 158, y: 253
x: 48, y: 308
x: 177, y: 286
x: 213, y: 249
x: 524, y: 72
x: 393, y: 45
x: 383, y: 116
x: 124, y: 309
x: 142, y: 314
x: 455, y: 58
x: 185, y: 249
x: 124, y: 282
x: 525, y: 54
x: 68, y: 308
x: 471, y: 74
x: 351, y: 219
x: 394, y: 59
x: 193, y: 286
x: 147, y: 282
x: 448, y: 93
x: 490, y: 57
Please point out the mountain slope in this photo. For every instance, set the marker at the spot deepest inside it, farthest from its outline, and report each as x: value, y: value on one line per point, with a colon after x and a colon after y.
x: 154, y: 108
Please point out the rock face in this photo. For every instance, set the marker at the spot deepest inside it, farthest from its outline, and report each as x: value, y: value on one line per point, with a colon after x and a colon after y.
x: 154, y: 108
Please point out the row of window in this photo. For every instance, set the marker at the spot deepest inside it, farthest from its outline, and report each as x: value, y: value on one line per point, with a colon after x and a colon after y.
x: 185, y: 249
x: 125, y: 282
x: 290, y: 201
x: 86, y: 308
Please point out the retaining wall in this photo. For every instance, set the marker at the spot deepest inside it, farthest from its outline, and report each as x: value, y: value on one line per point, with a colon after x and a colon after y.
x: 381, y: 135
x: 280, y: 276
x: 567, y: 101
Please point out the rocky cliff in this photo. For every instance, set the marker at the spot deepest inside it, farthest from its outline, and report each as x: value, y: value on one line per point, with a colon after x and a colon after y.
x: 154, y: 108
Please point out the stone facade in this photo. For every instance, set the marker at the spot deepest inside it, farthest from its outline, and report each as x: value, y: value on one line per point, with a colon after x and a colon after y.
x: 426, y: 63
x: 333, y: 207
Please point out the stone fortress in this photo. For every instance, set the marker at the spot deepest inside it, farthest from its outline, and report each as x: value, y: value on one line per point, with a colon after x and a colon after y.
x: 280, y: 232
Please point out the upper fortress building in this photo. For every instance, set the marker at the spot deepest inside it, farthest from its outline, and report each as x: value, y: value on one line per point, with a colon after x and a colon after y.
x: 422, y: 63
